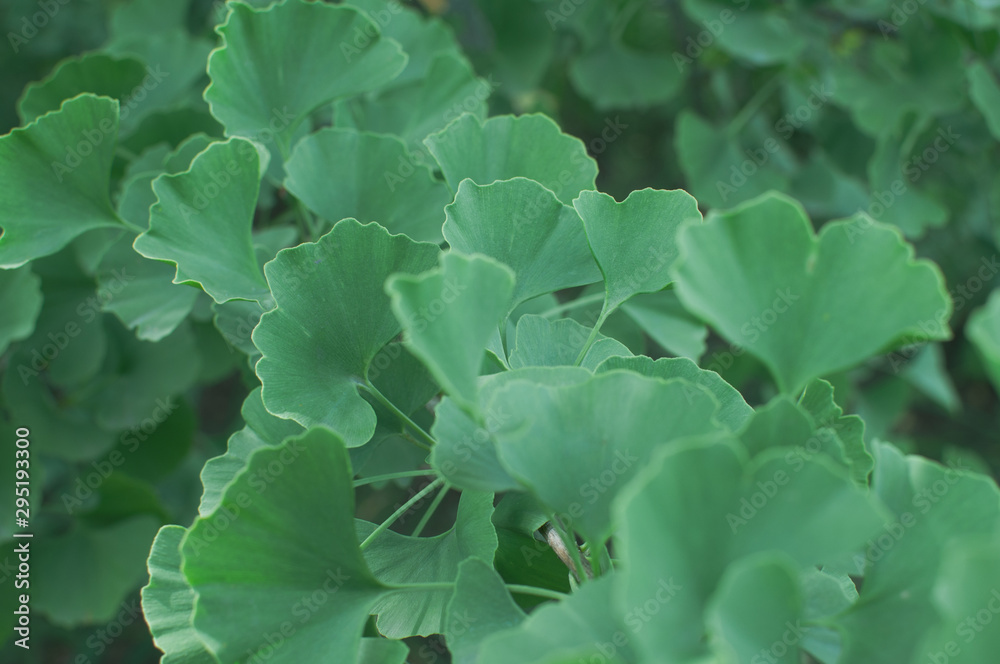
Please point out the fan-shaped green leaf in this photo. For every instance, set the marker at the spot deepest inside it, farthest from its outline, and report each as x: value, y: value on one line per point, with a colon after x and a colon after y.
x: 210, y: 204
x: 278, y: 64
x: 505, y: 147
x: 983, y: 330
x: 341, y: 173
x: 278, y: 562
x: 69, y: 150
x: 168, y: 603
x: 397, y: 559
x: 780, y: 303
x: 522, y: 224
x: 448, y: 315
x: 21, y: 302
x: 540, y: 342
x: 598, y: 435
x: 332, y: 317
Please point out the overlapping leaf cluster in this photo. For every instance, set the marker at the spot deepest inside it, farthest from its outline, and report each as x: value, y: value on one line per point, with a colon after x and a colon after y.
x: 413, y: 289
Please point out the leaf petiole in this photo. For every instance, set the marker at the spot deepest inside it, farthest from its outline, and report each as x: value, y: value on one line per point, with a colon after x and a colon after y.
x: 426, y: 441
x: 403, y: 509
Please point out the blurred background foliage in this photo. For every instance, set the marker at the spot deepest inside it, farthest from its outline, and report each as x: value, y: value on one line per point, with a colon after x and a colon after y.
x: 846, y: 105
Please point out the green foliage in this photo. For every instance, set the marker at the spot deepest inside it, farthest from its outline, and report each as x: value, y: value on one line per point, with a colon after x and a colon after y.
x: 336, y: 297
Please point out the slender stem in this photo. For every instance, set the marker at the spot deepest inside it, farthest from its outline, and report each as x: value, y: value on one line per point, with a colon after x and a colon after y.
x: 573, y: 304
x: 538, y: 592
x: 393, y: 476
x: 403, y: 509
x: 427, y: 441
x: 571, y: 548
x: 129, y: 225
x: 752, y: 106
x: 445, y: 488
x: 593, y: 335
x: 307, y: 220
x: 512, y: 587
x: 604, y: 564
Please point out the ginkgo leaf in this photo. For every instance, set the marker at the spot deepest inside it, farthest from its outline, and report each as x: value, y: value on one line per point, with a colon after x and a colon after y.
x: 168, y: 603
x: 280, y: 546
x: 96, y: 73
x: 332, y: 318
x: 340, y: 173
x: 69, y: 151
x: 780, y: 303
x: 278, y: 64
x: 634, y: 241
x: 598, y: 435
x: 524, y: 226
x: 448, y: 315
x: 210, y: 204
x: 505, y: 147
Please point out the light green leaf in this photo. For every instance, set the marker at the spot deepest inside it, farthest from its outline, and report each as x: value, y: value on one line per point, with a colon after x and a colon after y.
x: 143, y: 295
x: 932, y: 508
x: 665, y: 320
x: 96, y: 73
x: 523, y: 225
x: 277, y: 65
x: 382, y: 651
x: 756, y: 611
x: 583, y: 627
x: 738, y: 508
x: 423, y: 38
x: 448, y: 315
x: 634, y: 241
x: 540, y: 342
x: 341, y: 173
x: 597, y: 435
x: 765, y: 281
x: 332, y: 317
x: 733, y: 411
x: 262, y: 429
x: 21, y: 302
x: 465, y: 453
x: 479, y: 607
x: 983, y: 330
x: 505, y: 147
x: 967, y: 595
x: 69, y: 151
x: 168, y: 603
x: 414, y: 110
x: 397, y: 559
x: 210, y: 204
x: 288, y: 540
